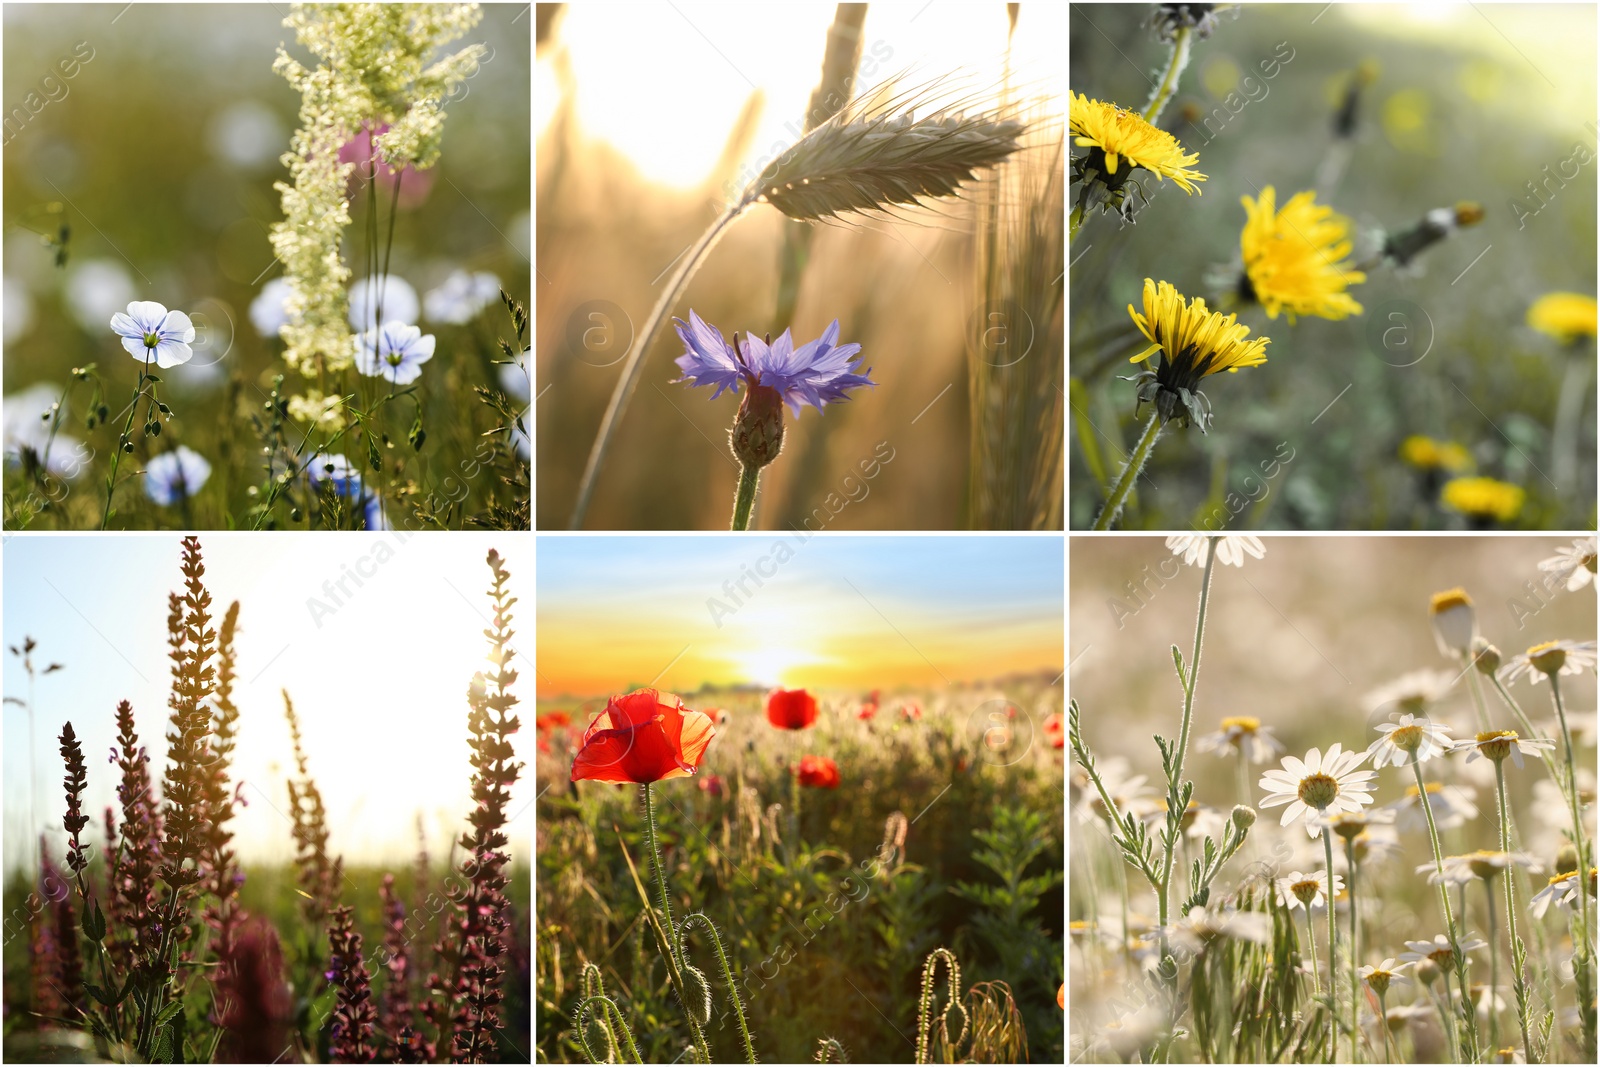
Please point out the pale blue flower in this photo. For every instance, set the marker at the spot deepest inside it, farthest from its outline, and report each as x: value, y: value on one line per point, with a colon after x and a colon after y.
x: 337, y: 471
x: 461, y: 297
x: 151, y: 333
x: 396, y: 352
x: 816, y: 373
x: 398, y: 301
x: 175, y: 476
x: 269, y: 310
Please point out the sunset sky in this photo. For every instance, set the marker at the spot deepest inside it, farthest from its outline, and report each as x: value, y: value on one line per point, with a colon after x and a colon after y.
x: 845, y: 612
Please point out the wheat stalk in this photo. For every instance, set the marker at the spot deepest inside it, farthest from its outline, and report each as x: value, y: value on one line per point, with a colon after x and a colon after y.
x: 872, y: 156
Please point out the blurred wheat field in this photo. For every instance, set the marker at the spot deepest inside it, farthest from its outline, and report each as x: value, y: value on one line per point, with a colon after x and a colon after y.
x: 910, y: 287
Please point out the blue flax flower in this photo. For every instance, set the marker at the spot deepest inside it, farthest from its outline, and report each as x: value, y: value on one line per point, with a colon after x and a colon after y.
x: 396, y: 352
x: 815, y: 373
x: 175, y: 476
x: 151, y: 333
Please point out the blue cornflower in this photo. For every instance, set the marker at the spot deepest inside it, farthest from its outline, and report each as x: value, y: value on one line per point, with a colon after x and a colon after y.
x: 396, y: 352
x: 152, y: 333
x: 815, y: 373
x: 175, y: 476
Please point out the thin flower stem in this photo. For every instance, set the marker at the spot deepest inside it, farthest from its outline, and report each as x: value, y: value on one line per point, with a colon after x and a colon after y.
x: 623, y: 391
x: 1130, y: 472
x: 1494, y: 969
x: 1244, y: 778
x: 116, y: 454
x: 727, y: 976
x: 1383, y: 1024
x: 1447, y: 1013
x: 1174, y: 812
x: 1333, y: 979
x: 1316, y: 968
x: 1169, y: 81
x: 1449, y: 919
x: 1511, y: 908
x: 1582, y: 961
x: 676, y: 962
x: 1477, y: 695
x: 1355, y: 952
x: 745, y: 499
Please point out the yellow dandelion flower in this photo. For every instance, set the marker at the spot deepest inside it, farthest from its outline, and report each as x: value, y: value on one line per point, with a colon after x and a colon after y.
x: 1292, y: 258
x: 1116, y: 136
x: 1194, y: 342
x: 1484, y: 499
x: 1426, y: 454
x: 1565, y: 316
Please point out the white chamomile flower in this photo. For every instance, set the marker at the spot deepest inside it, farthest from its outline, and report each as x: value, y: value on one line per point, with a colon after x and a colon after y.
x: 1573, y: 565
x: 1411, y: 740
x: 1231, y: 548
x: 1242, y: 734
x: 1321, y: 784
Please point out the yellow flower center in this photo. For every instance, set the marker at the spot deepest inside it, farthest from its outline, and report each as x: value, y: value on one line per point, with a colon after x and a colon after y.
x: 1444, y: 957
x: 1548, y: 657
x: 1433, y: 787
x: 1240, y: 724
x: 1450, y: 598
x: 1407, y: 738
x: 1318, y: 790
x: 1496, y: 744
x: 1379, y: 981
x: 1487, y: 864
x: 1306, y: 890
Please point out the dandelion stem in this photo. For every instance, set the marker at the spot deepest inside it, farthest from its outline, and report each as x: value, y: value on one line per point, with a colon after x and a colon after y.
x: 1169, y: 81
x: 1130, y: 471
x: 1333, y: 979
x: 1449, y: 919
x: 745, y: 499
x: 623, y: 391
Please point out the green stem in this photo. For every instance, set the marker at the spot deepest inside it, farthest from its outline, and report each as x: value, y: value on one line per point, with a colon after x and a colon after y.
x: 676, y: 962
x: 1130, y: 471
x: 745, y: 499
x: 631, y: 369
x: 1383, y: 1024
x: 1494, y: 970
x: 1075, y: 223
x: 1582, y: 959
x: 116, y: 454
x: 1174, y: 805
x: 1477, y: 694
x: 1333, y: 979
x: 1448, y: 1014
x: 1511, y: 909
x: 1316, y: 968
x: 727, y: 976
x: 1355, y: 953
x: 1449, y: 917
x: 1169, y: 81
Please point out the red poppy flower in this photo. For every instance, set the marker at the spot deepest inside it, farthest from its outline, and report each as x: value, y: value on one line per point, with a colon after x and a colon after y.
x: 818, y: 772
x: 1054, y: 730
x: 1061, y: 997
x: 868, y: 710
x: 712, y: 784
x: 551, y: 720
x: 911, y: 711
x: 791, y: 709
x: 643, y: 738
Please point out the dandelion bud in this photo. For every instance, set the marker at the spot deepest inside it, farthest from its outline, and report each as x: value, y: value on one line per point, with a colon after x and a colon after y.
x: 1485, y: 656
x: 1243, y: 817
x: 757, y: 435
x: 1427, y: 971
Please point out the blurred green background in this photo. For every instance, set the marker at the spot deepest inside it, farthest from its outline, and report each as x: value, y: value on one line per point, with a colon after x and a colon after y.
x: 1469, y: 103
x: 162, y: 150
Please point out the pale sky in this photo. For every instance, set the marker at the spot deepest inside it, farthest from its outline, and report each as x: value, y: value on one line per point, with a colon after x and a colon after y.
x: 378, y: 672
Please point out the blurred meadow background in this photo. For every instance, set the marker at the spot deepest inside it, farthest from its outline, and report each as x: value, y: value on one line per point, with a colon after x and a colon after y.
x: 384, y: 735
x: 934, y: 665
x: 648, y: 127
x: 1388, y: 112
x: 1317, y: 643
x: 141, y: 146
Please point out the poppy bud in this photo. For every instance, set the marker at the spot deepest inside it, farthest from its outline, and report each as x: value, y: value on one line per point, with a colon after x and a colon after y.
x: 757, y: 434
